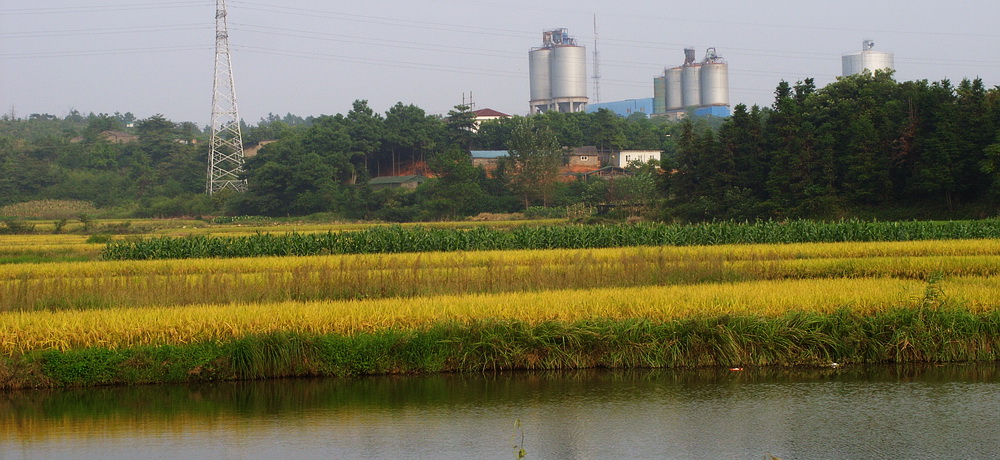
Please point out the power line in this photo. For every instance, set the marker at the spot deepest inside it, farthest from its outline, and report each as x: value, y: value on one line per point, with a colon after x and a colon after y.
x: 399, y: 44
x: 106, y: 52
x: 380, y: 62
x: 104, y: 31
x: 103, y: 8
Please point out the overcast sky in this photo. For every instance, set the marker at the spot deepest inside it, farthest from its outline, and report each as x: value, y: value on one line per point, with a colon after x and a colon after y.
x: 312, y: 57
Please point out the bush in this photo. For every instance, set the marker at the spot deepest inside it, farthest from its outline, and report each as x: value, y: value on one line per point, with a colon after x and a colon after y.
x: 16, y: 227
x: 48, y: 209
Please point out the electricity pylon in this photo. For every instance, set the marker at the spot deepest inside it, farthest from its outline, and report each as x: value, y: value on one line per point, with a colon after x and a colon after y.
x: 225, y: 162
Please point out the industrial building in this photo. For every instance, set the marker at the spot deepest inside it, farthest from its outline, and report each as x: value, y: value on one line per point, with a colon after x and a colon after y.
x: 629, y: 107
x: 866, y: 59
x: 558, y: 74
x: 626, y: 107
x: 699, y: 86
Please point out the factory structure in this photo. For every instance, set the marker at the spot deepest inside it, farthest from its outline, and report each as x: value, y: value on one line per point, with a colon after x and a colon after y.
x: 558, y: 80
x: 558, y: 74
x: 698, y: 87
x: 866, y: 59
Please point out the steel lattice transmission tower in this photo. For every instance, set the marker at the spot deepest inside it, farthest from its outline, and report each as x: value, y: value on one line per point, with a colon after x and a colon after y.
x: 225, y: 162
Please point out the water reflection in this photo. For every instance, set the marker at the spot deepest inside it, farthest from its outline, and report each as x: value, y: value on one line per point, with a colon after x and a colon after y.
x: 884, y: 412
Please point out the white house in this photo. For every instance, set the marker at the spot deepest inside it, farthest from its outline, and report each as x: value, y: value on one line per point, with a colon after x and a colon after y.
x: 622, y: 158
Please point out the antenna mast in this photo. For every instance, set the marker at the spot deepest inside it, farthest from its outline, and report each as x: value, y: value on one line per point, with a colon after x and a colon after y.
x: 225, y: 162
x: 597, y: 66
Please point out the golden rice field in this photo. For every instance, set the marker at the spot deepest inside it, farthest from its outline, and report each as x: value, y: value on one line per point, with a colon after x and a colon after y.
x: 114, y: 284
x: 21, y: 332
x: 115, y: 304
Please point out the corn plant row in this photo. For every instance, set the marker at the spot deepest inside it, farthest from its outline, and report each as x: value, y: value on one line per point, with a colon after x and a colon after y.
x: 461, y: 259
x: 396, y: 239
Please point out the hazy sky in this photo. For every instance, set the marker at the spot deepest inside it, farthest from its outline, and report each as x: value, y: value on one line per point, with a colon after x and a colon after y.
x: 312, y: 57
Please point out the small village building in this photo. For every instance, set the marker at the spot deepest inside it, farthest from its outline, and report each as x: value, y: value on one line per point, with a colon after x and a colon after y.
x: 486, y: 115
x: 487, y: 159
x: 606, y: 173
x: 623, y: 158
x: 581, y: 159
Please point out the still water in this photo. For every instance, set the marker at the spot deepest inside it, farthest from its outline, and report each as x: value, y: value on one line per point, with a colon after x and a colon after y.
x: 870, y: 413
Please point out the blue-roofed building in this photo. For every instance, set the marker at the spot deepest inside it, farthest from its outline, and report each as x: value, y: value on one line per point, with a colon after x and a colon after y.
x: 630, y: 106
x: 487, y: 159
x: 720, y: 111
x: 624, y: 108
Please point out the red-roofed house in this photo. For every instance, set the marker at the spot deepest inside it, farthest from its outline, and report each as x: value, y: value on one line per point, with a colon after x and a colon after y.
x: 487, y: 115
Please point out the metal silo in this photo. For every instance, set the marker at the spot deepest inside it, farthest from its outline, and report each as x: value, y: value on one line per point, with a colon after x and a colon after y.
x: 674, y: 94
x: 659, y: 95
x: 568, y: 69
x: 691, y: 85
x: 714, y: 80
x: 867, y: 59
x: 541, y: 87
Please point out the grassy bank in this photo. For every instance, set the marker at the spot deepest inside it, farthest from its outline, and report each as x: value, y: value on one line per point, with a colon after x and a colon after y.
x: 900, y: 335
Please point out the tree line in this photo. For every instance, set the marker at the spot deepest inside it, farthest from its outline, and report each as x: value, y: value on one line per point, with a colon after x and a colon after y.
x: 863, y: 146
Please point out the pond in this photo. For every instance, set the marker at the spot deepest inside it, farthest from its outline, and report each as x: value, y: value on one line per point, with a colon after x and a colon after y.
x: 872, y: 412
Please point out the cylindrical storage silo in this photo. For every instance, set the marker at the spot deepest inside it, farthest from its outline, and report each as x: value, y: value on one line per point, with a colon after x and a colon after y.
x: 568, y: 68
x: 691, y: 85
x: 714, y: 83
x: 659, y: 95
x: 857, y: 63
x: 538, y: 69
x: 673, y: 91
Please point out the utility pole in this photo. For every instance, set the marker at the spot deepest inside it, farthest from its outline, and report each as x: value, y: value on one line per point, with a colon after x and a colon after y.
x: 225, y: 162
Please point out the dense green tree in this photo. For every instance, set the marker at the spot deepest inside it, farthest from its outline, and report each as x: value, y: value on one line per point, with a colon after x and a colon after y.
x: 456, y: 191
x: 461, y: 126
x: 156, y: 137
x: 409, y: 138
x: 607, y: 131
x: 493, y: 134
x: 533, y: 161
x: 367, y: 132
x: 286, y: 178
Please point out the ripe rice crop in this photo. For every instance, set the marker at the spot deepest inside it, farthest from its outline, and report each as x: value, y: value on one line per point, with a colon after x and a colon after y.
x: 110, y: 284
x: 22, y: 332
x: 47, y: 247
x: 396, y: 239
